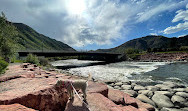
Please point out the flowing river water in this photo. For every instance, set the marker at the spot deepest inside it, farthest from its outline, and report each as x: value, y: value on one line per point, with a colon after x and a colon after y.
x: 144, y: 72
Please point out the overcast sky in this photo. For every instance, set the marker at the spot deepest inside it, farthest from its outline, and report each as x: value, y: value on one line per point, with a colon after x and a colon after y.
x: 94, y: 24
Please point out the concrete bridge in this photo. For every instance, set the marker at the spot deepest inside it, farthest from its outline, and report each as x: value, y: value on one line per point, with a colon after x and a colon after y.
x: 108, y: 57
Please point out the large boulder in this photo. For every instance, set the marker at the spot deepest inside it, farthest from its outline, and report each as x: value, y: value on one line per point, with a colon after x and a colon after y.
x: 39, y: 94
x: 162, y: 100
x: 142, y: 105
x: 15, y: 107
x: 97, y: 88
x: 116, y: 96
x: 130, y: 101
x: 98, y: 102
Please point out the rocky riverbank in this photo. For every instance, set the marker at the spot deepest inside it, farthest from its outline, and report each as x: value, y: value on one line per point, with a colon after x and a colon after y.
x: 164, y: 57
x: 27, y: 87
x: 168, y: 96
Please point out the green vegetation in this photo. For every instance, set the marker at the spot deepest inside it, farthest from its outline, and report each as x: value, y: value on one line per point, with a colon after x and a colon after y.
x: 8, y: 35
x: 29, y: 39
x: 3, y: 65
x: 36, y: 60
x: 43, y: 61
x: 32, y: 59
x: 133, y: 53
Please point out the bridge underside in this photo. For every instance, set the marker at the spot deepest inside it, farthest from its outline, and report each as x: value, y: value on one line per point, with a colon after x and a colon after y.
x: 108, y: 57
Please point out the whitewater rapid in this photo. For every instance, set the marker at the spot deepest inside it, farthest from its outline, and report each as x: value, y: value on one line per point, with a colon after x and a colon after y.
x: 120, y: 71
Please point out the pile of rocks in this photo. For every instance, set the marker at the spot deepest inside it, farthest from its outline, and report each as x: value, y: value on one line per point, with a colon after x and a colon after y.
x: 34, y: 89
x: 167, y: 96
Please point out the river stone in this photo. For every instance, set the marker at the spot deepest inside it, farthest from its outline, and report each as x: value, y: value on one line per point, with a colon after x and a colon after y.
x: 133, y: 84
x: 118, y: 83
x: 167, y: 93
x: 162, y: 100
x: 182, y: 94
x: 112, y: 84
x: 132, y: 93
x: 146, y: 92
x: 170, y: 109
x: 178, y: 100
x: 171, y: 84
x: 153, y: 88
x: 184, y: 109
x: 126, y: 82
x: 179, y: 90
x: 126, y: 87
x: 162, y: 87
x: 145, y: 99
x: 186, y: 89
x: 117, y: 87
x: 138, y: 87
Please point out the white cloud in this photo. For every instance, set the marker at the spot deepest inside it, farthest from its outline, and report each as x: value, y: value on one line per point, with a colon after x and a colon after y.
x: 157, y: 9
x: 153, y: 34
x: 182, y: 15
x: 177, y: 28
x: 94, y: 22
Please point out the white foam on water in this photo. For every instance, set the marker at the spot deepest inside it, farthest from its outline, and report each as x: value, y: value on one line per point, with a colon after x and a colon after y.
x: 116, y: 71
x: 74, y: 62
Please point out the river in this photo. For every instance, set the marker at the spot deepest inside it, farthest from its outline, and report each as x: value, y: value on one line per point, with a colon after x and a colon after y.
x: 144, y: 72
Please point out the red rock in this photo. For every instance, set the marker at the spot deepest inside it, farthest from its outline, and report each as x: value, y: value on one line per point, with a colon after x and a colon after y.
x: 95, y: 101
x: 3, y: 79
x: 129, y: 108
x: 124, y: 108
x: 130, y: 100
x: 25, y: 65
x: 98, y: 102
x: 97, y: 88
x: 144, y: 105
x: 29, y: 74
x: 15, y: 107
x: 116, y: 96
x: 36, y: 93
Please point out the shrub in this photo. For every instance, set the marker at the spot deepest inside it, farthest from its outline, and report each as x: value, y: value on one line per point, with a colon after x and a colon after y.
x: 43, y: 61
x: 32, y: 59
x: 3, y: 66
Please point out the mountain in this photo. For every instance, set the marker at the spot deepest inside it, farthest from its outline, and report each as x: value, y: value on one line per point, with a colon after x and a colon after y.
x: 29, y: 39
x: 150, y: 42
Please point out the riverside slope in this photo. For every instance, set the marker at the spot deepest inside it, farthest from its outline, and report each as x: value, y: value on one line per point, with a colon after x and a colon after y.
x: 27, y: 87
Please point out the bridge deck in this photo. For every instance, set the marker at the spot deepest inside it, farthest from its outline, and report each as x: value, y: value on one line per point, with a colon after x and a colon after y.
x: 53, y: 53
x: 89, y: 55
